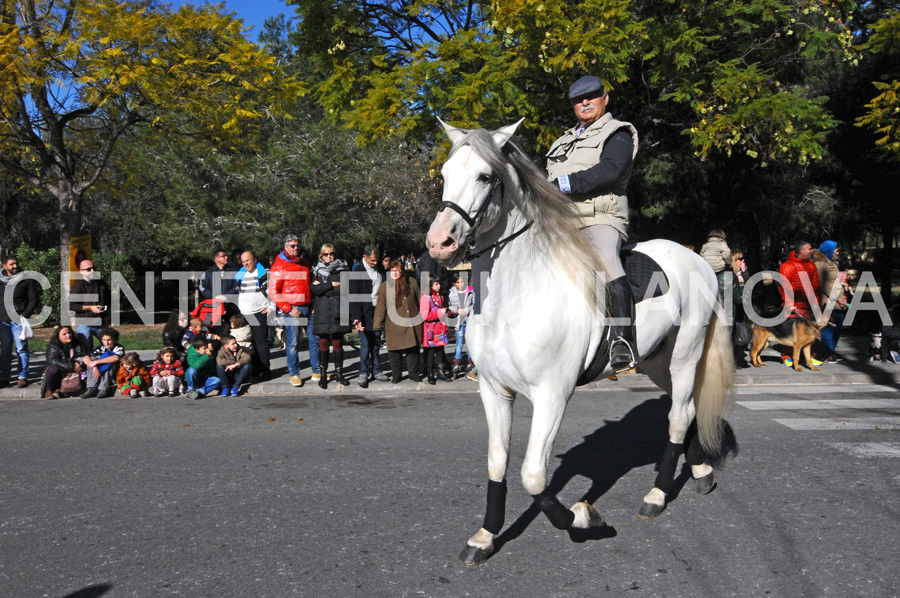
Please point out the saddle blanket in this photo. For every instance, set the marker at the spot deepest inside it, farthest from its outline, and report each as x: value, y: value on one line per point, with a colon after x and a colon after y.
x: 640, y: 270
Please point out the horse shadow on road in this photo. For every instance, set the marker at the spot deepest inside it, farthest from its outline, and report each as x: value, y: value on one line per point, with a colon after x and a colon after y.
x: 607, y: 455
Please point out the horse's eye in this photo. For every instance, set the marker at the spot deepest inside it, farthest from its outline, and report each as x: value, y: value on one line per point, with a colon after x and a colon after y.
x: 484, y: 178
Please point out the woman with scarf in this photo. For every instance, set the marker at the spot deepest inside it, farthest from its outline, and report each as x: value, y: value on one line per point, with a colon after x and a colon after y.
x: 326, y: 289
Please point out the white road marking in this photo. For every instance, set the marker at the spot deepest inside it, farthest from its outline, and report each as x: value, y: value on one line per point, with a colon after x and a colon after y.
x: 842, y: 423
x: 870, y: 449
x: 819, y: 404
x: 811, y: 389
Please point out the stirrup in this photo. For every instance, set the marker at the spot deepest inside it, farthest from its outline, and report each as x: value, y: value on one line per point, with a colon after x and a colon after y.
x: 623, y: 366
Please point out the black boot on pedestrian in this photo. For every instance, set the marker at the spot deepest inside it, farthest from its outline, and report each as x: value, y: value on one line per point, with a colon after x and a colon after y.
x: 90, y: 393
x: 323, y: 369
x: 441, y: 368
x: 620, y: 306
x: 429, y: 367
x: 339, y: 368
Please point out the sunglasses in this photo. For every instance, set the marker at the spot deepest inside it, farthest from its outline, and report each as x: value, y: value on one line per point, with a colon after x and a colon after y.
x: 328, y: 253
x: 294, y: 246
x: 87, y: 269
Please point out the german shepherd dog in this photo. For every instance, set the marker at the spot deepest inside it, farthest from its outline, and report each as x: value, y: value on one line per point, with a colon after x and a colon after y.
x: 798, y: 332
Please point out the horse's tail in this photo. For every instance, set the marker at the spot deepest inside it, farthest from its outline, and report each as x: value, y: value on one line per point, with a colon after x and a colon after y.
x: 713, y: 386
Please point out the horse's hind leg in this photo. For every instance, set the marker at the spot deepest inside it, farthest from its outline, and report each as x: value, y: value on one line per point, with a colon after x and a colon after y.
x: 678, y: 380
x: 498, y: 410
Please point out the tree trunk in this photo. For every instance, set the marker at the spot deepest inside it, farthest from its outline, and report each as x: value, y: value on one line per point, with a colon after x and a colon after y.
x: 69, y: 226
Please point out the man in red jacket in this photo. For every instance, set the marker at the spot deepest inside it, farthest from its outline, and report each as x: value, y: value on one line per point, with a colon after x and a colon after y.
x: 802, y: 276
x: 289, y: 279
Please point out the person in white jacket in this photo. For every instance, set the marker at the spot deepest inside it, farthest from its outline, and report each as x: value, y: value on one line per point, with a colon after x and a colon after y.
x: 462, y: 301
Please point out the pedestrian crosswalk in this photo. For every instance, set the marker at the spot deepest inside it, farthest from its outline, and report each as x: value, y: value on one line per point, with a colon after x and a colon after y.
x: 865, y: 412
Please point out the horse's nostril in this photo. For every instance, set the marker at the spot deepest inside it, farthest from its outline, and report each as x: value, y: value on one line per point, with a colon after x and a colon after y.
x: 448, y: 242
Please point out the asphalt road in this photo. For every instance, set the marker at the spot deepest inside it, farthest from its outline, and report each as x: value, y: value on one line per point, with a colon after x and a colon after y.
x: 375, y: 495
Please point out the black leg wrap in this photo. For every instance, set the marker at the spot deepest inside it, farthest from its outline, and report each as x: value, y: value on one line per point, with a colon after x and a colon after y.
x: 496, y: 507
x: 694, y: 454
x: 559, y: 516
x: 665, y: 479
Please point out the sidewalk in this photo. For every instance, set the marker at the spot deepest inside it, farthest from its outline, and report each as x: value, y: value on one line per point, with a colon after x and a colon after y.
x: 854, y: 369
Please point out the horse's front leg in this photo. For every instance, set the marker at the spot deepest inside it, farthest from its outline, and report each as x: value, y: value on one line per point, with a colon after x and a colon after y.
x: 498, y: 410
x: 548, y: 415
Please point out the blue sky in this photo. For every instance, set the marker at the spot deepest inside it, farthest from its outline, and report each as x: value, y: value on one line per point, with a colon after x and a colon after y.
x: 253, y: 12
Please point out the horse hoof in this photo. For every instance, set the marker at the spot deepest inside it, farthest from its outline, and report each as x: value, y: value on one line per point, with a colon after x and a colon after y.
x: 705, y: 484
x: 586, y: 516
x: 650, y: 511
x: 472, y: 555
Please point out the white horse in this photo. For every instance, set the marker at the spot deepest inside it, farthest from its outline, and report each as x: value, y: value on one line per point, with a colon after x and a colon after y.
x: 539, y: 321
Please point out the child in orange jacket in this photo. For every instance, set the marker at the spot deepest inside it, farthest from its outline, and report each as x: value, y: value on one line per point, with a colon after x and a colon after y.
x: 133, y: 376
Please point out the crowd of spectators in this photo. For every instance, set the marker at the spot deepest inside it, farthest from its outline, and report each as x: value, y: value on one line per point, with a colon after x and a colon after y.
x: 224, y: 343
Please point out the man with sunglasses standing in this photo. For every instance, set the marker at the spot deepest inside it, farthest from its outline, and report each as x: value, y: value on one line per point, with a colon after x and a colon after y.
x: 591, y: 164
x: 290, y: 292
x: 89, y: 302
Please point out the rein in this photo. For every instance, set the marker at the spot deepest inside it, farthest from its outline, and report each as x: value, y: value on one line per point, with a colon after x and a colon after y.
x: 473, y: 222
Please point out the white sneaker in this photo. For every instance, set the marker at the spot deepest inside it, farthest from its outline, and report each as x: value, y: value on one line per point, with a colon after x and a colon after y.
x: 895, y: 356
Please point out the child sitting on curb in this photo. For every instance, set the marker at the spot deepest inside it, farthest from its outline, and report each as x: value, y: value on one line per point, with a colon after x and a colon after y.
x: 103, y: 365
x: 201, y: 373
x: 133, y: 378
x: 232, y: 361
x: 167, y: 372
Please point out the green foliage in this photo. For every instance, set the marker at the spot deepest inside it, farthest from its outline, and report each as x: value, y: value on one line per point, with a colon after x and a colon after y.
x: 48, y: 264
x: 170, y: 205
x: 883, y: 114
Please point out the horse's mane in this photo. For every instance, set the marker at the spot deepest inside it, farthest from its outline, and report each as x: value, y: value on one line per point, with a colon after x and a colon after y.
x: 555, y: 221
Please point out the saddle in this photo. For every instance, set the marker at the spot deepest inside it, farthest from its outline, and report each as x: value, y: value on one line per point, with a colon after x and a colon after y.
x: 641, y: 271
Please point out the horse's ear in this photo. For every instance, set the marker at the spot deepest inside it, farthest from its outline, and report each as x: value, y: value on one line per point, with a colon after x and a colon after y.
x: 452, y: 132
x: 501, y: 136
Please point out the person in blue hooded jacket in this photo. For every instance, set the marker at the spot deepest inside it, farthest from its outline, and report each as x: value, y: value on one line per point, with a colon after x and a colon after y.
x: 830, y: 289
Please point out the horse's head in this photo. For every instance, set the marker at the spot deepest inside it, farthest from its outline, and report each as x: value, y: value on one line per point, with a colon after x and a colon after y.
x: 472, y: 195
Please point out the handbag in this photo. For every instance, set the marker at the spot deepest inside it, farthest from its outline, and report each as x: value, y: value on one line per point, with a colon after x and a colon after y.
x: 71, y: 384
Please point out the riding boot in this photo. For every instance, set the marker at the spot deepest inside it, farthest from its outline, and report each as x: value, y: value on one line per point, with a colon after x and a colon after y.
x: 339, y: 368
x: 323, y: 369
x: 430, y: 354
x: 620, y: 306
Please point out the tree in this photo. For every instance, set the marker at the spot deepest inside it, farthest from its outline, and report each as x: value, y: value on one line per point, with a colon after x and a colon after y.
x: 169, y: 203
x: 75, y: 76
x: 882, y: 44
x: 729, y: 75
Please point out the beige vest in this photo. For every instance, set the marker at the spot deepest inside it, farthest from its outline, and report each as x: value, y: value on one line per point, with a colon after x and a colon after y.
x: 572, y: 154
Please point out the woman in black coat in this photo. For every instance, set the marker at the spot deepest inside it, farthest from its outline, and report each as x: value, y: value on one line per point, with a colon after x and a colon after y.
x: 64, y: 355
x: 326, y: 290
x: 174, y: 331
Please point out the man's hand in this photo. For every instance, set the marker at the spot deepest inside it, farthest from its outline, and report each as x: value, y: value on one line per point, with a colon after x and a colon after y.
x: 295, y: 312
x: 358, y: 325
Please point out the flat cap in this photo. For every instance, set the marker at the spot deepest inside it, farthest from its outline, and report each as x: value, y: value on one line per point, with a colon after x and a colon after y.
x: 586, y: 85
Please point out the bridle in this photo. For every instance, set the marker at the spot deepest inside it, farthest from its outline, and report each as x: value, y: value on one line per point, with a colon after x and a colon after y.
x: 468, y: 242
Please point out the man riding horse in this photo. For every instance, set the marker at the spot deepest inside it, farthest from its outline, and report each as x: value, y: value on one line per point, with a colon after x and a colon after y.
x: 591, y: 163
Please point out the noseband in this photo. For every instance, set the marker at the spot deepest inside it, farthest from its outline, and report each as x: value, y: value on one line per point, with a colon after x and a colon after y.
x: 474, y: 221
